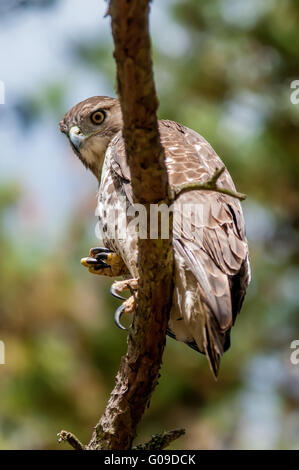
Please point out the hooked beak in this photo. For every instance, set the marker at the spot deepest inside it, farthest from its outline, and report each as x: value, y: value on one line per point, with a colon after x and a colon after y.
x: 76, y: 137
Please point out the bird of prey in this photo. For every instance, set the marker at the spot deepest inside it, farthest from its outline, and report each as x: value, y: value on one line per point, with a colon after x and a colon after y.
x: 211, y: 271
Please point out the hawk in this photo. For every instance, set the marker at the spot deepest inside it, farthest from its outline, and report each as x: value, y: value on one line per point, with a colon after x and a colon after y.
x: 211, y: 271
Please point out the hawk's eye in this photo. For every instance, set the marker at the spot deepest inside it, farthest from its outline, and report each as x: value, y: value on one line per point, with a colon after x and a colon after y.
x: 98, y: 117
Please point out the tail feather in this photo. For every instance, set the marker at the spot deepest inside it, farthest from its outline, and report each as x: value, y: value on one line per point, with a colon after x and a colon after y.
x: 216, y: 343
x: 212, y: 348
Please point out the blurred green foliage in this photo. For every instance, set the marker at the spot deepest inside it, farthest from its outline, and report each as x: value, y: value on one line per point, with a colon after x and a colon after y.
x: 226, y: 75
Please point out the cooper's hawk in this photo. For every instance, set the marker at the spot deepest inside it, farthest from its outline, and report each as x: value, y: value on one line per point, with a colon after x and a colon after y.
x: 211, y: 271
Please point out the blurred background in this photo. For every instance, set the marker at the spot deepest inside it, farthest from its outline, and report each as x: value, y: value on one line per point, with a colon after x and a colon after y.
x: 223, y: 68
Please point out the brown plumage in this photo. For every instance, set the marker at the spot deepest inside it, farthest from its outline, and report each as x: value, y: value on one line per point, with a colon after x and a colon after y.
x: 212, y: 270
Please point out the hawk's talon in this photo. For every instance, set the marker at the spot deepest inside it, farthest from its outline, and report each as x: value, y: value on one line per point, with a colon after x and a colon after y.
x: 101, y: 258
x: 118, y: 315
x: 127, y: 307
x: 128, y: 304
x: 97, y: 250
x: 89, y: 260
x: 94, y: 263
x: 113, y: 291
x: 101, y: 265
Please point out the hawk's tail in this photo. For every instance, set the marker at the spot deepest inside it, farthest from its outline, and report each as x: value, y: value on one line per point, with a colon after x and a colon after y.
x: 215, y: 342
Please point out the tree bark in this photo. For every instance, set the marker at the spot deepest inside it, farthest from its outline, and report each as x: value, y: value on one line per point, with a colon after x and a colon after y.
x: 139, y: 369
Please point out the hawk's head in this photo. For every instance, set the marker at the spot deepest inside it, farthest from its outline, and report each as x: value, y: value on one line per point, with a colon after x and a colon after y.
x: 90, y: 125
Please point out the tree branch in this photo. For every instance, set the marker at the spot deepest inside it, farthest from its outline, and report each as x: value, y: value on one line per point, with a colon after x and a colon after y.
x: 71, y: 439
x: 138, y: 373
x: 210, y: 185
x: 161, y: 441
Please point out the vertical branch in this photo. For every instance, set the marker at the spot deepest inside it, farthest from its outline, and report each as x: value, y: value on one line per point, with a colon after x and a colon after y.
x: 139, y: 369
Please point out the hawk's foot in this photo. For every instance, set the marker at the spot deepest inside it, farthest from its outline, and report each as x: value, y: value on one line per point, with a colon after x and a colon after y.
x: 128, y: 305
x: 120, y: 286
x: 104, y: 262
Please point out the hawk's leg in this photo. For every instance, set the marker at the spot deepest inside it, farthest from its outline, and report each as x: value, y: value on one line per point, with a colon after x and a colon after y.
x: 104, y: 262
x: 128, y: 305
